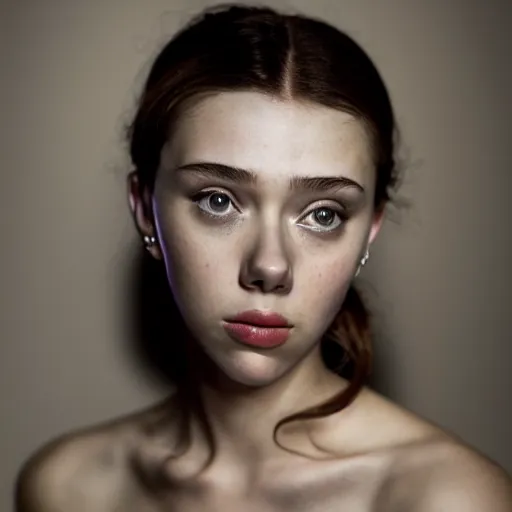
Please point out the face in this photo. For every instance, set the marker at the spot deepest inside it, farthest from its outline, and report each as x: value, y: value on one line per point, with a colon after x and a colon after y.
x: 262, y: 204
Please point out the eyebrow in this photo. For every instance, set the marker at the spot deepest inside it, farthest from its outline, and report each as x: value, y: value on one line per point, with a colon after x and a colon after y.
x: 247, y: 177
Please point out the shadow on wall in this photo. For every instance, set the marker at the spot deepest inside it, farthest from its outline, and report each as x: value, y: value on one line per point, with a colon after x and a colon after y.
x: 160, y: 336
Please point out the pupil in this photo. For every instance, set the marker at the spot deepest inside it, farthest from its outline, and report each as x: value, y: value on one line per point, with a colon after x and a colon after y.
x: 218, y: 201
x: 324, y: 216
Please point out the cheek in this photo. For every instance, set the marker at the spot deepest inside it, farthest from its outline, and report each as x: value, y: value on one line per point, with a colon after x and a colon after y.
x: 324, y: 289
x: 195, y: 260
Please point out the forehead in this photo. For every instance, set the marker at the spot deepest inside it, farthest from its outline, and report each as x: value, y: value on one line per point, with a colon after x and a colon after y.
x: 275, y: 138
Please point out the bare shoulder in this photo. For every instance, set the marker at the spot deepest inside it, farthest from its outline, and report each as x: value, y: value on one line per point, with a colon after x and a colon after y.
x: 423, y: 467
x: 374, y: 425
x: 83, y: 470
x: 46, y: 479
x: 432, y: 470
x: 444, y: 474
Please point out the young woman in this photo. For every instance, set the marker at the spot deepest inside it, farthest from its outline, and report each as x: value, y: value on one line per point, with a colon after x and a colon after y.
x: 263, y: 150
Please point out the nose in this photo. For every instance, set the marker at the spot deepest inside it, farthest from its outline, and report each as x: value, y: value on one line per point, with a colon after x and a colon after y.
x: 266, y: 266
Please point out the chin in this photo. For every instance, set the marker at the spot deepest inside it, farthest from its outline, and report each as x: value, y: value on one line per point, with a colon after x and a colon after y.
x: 252, y: 369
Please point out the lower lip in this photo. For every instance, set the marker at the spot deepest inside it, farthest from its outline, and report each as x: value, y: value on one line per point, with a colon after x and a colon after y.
x: 257, y: 336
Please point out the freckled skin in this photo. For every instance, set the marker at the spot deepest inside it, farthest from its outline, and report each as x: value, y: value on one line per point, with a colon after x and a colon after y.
x: 264, y: 249
x: 277, y: 140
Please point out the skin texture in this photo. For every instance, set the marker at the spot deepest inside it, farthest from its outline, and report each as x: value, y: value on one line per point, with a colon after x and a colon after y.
x: 263, y: 254
x: 263, y: 248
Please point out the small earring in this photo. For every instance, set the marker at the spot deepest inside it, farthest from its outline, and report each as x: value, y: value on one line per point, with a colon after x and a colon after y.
x: 363, y: 262
x: 365, y: 258
x: 149, y: 241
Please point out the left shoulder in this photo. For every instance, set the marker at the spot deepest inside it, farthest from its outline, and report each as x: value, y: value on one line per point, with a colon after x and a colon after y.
x: 449, y: 476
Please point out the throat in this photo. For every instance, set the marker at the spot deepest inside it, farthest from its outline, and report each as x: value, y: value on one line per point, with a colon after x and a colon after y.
x: 216, y: 427
x: 240, y: 423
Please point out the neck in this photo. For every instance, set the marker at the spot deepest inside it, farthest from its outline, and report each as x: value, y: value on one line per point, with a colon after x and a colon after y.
x: 241, y: 420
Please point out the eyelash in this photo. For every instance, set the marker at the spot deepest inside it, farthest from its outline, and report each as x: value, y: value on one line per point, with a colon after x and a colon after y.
x: 339, y: 212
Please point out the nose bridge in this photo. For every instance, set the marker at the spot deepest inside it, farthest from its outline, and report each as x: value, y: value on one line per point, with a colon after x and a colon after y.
x: 268, y: 260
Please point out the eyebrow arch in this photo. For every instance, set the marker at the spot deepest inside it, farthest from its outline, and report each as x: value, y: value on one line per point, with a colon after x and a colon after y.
x: 323, y: 184
x: 244, y: 176
x: 235, y: 174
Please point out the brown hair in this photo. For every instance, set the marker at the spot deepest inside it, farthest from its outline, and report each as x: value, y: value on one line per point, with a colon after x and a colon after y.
x: 237, y: 47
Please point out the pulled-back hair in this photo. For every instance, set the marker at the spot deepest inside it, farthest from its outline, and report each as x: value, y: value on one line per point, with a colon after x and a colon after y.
x: 240, y: 48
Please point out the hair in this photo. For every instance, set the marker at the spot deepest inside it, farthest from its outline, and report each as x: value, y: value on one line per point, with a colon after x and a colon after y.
x: 241, y: 48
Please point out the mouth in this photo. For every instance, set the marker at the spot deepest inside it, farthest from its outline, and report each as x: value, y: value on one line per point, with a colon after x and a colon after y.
x: 260, y: 319
x: 258, y: 328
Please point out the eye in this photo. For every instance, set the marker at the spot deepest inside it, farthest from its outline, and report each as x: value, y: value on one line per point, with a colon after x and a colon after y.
x: 214, y: 203
x: 324, y: 219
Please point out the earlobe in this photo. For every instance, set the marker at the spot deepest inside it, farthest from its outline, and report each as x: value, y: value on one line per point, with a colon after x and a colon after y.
x: 377, y: 221
x: 152, y: 246
x: 140, y: 201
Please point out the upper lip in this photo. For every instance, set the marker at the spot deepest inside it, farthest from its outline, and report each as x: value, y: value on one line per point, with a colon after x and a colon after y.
x: 261, y: 318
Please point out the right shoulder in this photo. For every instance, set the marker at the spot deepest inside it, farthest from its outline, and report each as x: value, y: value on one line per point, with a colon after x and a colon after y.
x: 64, y: 472
x: 43, y: 478
x: 84, y: 470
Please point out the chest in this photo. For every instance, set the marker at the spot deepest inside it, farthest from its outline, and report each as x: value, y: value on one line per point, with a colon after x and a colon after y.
x: 306, y: 493
x: 304, y: 503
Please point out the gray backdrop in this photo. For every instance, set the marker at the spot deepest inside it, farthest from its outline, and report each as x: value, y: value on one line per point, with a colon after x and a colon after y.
x: 439, y: 279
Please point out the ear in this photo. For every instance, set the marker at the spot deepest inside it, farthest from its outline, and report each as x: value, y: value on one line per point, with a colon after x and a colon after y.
x: 140, y: 205
x: 377, y: 221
